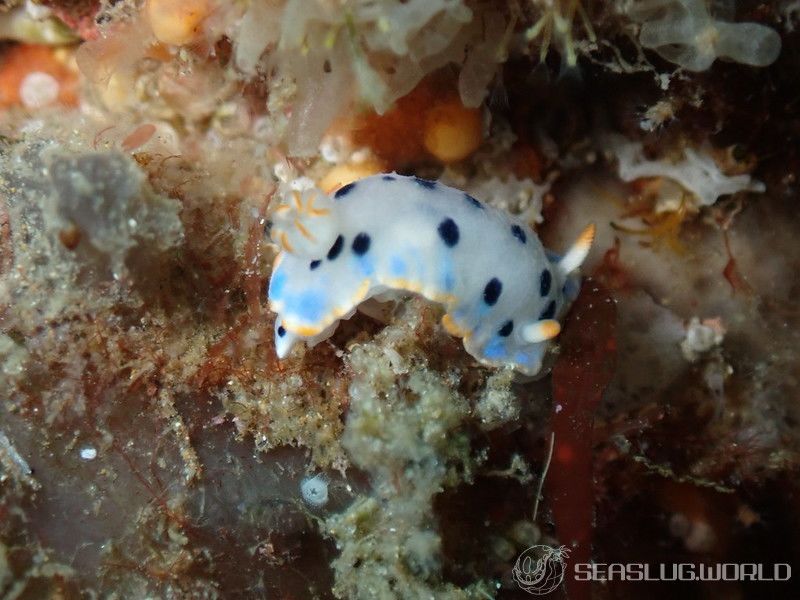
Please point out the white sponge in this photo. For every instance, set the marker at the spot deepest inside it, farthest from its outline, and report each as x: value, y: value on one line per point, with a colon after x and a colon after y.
x: 684, y: 32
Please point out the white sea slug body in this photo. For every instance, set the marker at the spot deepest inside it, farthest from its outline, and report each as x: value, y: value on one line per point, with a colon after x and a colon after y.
x: 502, y: 291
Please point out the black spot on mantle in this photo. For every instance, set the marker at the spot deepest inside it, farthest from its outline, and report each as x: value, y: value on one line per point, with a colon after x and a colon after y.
x: 427, y: 184
x: 545, y: 281
x: 472, y: 201
x: 492, y: 291
x: 519, y: 233
x: 344, y: 190
x: 506, y: 329
x: 361, y: 244
x: 549, y: 312
x: 336, y: 249
x: 448, y: 231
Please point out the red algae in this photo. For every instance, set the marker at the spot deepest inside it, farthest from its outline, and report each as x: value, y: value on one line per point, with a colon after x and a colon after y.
x: 580, y: 376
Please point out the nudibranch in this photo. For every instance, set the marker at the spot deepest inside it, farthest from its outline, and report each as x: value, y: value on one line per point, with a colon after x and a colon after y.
x: 503, y: 293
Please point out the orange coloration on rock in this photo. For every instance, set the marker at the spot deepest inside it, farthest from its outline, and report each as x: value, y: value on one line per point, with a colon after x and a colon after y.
x: 452, y: 131
x: 35, y: 76
x: 661, y: 228
x: 528, y: 162
x: 701, y: 517
x: 347, y: 173
x: 428, y: 122
x: 177, y: 22
x: 731, y: 271
x: 395, y: 136
x: 611, y: 272
x: 138, y: 137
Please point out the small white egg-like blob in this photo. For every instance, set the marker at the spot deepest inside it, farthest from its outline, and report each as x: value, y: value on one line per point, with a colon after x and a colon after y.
x: 88, y: 453
x: 315, y: 490
x: 39, y: 89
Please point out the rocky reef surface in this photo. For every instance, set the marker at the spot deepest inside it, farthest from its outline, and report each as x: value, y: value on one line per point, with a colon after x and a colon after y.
x: 153, y: 446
